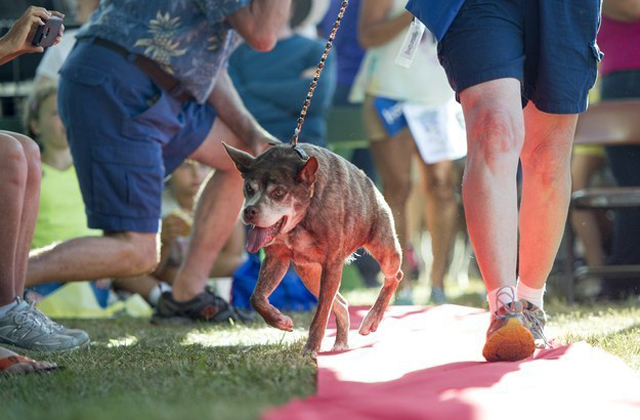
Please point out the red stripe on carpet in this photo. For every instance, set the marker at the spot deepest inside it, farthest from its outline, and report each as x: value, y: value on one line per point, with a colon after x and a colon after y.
x: 426, y: 363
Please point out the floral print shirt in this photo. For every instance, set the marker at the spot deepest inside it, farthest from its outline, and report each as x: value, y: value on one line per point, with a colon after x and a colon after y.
x: 188, y: 38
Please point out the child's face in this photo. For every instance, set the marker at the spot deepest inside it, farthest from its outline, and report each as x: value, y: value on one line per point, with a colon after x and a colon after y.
x: 48, y: 126
x: 187, y: 179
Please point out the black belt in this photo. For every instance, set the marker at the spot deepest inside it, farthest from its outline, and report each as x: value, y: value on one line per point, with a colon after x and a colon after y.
x: 152, y: 69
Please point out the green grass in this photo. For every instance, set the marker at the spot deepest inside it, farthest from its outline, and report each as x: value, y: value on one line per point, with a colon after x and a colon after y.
x: 135, y: 370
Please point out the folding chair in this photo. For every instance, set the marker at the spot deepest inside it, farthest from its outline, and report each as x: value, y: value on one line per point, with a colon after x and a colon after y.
x: 608, y: 123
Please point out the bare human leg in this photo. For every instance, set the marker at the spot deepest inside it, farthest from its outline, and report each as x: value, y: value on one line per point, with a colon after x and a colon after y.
x: 441, y: 215
x: 91, y: 258
x: 546, y: 189
x: 13, y: 174
x: 495, y: 134
x: 31, y: 198
x: 216, y: 214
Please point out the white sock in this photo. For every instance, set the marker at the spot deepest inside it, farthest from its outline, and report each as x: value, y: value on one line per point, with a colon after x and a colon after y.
x: 530, y: 294
x: 6, y: 308
x: 154, y: 294
x: 499, y: 297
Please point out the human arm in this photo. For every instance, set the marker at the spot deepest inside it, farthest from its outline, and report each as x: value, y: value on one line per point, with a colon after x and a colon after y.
x: 375, y: 27
x: 231, y: 110
x: 622, y: 10
x: 289, y: 94
x: 260, y: 22
x: 18, y: 40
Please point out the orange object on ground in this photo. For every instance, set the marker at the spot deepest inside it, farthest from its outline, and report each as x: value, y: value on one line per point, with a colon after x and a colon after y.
x: 426, y: 363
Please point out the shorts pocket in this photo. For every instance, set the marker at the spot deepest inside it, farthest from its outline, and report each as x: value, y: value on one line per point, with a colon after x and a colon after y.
x: 159, y: 121
x: 127, y: 180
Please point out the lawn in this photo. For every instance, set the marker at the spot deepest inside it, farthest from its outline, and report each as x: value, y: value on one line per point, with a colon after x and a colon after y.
x: 134, y: 370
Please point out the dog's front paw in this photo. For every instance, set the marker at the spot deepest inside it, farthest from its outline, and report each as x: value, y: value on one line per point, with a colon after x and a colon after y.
x: 282, y: 322
x: 370, y: 323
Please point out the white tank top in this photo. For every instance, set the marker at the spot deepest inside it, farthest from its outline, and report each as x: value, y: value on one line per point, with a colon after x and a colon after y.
x: 425, y: 82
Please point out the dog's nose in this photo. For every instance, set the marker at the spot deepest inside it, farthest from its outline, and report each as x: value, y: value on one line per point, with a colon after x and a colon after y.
x: 250, y: 212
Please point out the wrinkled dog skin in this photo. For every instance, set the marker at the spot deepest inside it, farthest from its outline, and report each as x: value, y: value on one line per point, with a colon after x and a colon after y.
x: 315, y: 214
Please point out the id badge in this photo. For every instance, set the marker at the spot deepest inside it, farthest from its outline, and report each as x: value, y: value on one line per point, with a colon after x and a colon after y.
x: 410, y: 44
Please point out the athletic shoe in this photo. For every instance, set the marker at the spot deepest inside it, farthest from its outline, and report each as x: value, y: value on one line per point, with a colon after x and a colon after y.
x: 508, y: 338
x: 438, y: 296
x: 404, y: 296
x: 81, y: 336
x: 204, y: 307
x: 22, y: 327
x: 536, y: 320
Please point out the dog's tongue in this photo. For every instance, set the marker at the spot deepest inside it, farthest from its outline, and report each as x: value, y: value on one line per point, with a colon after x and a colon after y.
x: 256, y: 238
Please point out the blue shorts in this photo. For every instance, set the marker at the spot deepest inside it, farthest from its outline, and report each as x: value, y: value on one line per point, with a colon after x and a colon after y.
x: 126, y: 135
x: 548, y: 45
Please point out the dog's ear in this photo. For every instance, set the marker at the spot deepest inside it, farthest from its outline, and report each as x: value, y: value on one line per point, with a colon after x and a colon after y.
x: 243, y: 160
x: 308, y: 172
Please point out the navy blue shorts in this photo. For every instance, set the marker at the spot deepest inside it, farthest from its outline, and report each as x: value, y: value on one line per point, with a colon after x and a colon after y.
x: 548, y: 45
x: 126, y: 135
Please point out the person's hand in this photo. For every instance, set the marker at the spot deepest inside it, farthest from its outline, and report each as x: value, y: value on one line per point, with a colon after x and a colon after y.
x: 173, y: 226
x: 309, y: 73
x: 261, y: 140
x: 18, y: 40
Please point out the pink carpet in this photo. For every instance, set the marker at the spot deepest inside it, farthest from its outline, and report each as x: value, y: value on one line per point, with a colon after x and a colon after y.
x: 426, y: 363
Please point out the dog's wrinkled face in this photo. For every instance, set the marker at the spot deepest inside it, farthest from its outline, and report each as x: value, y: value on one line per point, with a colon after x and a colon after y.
x: 278, y: 186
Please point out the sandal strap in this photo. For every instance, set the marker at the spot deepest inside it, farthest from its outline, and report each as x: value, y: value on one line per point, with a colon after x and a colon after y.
x: 14, y: 359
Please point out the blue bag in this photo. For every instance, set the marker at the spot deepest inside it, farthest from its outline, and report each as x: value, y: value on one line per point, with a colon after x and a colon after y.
x: 290, y: 295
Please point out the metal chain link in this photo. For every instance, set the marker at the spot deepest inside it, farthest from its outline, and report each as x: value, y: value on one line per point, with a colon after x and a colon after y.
x: 314, y: 83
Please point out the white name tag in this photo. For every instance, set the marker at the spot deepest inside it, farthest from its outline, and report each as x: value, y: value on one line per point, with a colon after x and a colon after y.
x: 410, y: 44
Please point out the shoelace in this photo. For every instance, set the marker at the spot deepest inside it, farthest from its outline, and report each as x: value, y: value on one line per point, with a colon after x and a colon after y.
x: 513, y: 307
x: 45, y: 320
x: 30, y: 321
x: 535, y: 322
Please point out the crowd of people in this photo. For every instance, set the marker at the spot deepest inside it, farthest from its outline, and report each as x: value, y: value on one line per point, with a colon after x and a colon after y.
x: 119, y: 179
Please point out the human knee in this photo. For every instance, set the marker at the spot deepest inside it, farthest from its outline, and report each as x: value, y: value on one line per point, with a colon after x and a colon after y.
x: 549, y: 164
x: 143, y: 253
x: 12, y: 160
x: 397, y: 190
x: 440, y: 186
x: 32, y: 155
x: 494, y: 135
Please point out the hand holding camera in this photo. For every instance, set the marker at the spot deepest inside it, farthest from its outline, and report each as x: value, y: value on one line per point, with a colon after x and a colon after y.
x: 37, y: 28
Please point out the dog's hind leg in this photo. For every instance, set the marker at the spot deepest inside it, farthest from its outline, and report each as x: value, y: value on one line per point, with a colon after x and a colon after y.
x: 310, y: 275
x: 341, y: 310
x: 384, y: 247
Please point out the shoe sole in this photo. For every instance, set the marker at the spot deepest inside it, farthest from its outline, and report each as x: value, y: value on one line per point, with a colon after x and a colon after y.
x: 19, y: 349
x: 511, y: 343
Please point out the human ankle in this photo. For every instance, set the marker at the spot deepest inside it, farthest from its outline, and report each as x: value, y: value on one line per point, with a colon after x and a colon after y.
x: 184, y: 294
x: 500, y: 297
x: 7, y: 307
x: 530, y: 294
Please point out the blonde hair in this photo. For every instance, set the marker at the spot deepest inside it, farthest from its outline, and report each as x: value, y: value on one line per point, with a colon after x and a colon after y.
x: 41, y: 93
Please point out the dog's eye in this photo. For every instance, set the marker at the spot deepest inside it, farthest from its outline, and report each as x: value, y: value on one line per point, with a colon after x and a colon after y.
x: 249, y: 189
x: 278, y: 193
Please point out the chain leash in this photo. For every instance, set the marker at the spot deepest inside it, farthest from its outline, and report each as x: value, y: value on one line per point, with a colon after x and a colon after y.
x: 314, y: 83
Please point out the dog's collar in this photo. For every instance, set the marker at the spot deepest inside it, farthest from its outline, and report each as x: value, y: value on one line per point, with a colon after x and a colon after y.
x: 303, y: 155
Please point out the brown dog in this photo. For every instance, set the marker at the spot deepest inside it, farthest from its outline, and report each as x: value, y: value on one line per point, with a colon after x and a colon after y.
x: 314, y: 209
